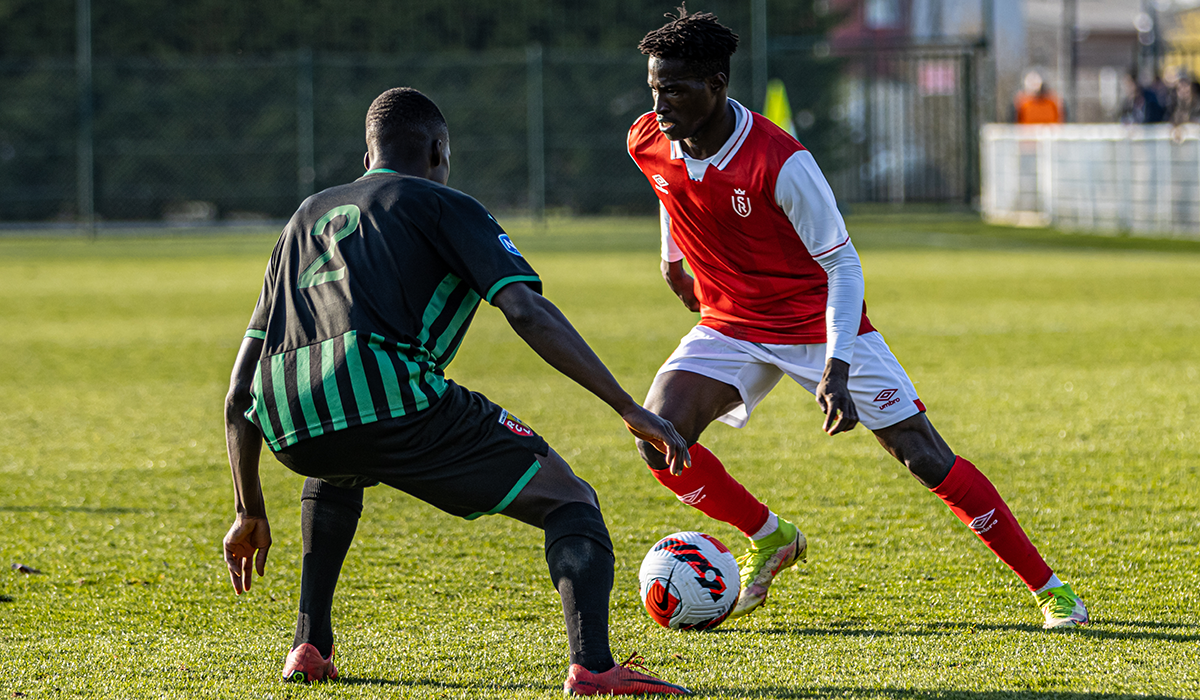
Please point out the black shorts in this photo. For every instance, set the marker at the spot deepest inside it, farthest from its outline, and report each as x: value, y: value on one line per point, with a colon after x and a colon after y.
x: 464, y: 455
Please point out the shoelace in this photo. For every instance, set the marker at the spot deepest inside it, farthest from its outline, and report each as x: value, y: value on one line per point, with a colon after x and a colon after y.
x: 1061, y: 603
x: 747, y: 560
x: 635, y: 661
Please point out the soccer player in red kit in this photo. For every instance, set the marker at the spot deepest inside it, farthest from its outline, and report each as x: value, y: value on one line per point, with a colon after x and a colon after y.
x: 779, y: 287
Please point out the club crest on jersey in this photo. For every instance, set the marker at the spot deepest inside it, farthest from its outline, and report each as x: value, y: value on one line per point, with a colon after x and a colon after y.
x: 515, y: 425
x: 741, y: 203
x: 509, y: 245
x: 660, y: 183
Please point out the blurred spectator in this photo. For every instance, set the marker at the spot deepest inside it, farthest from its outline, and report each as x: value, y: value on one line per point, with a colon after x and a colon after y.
x: 1165, y: 92
x: 1141, y: 104
x: 1186, y: 105
x: 1036, y: 104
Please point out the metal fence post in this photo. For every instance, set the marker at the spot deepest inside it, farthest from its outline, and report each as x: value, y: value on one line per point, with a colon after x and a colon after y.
x: 85, y: 183
x: 306, y: 172
x: 758, y: 28
x: 536, y: 131
x: 971, y: 144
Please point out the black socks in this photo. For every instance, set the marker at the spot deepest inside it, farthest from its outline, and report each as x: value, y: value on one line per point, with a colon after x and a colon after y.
x: 579, y: 554
x: 328, y: 519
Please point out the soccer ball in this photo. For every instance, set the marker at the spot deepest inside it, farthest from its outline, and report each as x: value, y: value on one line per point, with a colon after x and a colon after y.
x: 689, y: 581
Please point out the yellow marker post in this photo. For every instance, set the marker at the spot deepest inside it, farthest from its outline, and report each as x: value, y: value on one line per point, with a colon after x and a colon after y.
x: 777, y: 107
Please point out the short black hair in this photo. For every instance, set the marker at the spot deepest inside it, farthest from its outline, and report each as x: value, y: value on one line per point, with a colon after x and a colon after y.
x: 403, y: 117
x: 703, y: 43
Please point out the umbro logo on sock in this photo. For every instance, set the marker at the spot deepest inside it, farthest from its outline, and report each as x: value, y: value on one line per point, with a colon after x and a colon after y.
x: 694, y: 497
x: 984, y: 522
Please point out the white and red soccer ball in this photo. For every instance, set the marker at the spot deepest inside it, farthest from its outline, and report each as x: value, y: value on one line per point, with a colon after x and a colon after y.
x: 689, y: 581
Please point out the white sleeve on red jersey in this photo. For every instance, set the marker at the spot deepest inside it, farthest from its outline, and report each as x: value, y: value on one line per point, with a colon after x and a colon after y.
x: 804, y: 195
x: 843, y: 311
x: 670, y: 251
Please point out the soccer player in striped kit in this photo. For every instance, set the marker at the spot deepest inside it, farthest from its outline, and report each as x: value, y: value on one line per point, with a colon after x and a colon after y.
x: 779, y: 288
x: 365, y: 301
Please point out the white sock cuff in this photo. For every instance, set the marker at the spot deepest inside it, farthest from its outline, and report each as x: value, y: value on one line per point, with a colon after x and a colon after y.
x: 1052, y: 583
x: 768, y: 527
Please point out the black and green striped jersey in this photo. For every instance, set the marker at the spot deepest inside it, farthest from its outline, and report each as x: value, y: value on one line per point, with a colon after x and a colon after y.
x: 366, y: 298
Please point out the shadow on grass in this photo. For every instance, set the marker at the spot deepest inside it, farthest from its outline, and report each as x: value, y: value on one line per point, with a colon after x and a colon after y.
x: 426, y: 683
x: 908, y: 694
x: 6, y: 599
x: 829, y: 632
x: 69, y: 509
x: 1097, y: 629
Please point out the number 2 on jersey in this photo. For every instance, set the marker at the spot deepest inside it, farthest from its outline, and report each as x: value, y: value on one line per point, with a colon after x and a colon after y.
x: 310, y: 277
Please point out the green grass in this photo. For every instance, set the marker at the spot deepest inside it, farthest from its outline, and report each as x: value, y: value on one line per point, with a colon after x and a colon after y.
x: 1064, y: 366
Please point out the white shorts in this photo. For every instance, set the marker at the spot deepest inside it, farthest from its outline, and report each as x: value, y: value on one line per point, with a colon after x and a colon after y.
x: 882, y: 391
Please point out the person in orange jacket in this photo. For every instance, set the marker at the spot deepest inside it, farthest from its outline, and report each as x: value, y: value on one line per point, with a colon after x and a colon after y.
x: 1037, y: 104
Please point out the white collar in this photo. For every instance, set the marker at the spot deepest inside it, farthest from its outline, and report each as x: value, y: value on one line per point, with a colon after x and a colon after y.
x: 720, y: 159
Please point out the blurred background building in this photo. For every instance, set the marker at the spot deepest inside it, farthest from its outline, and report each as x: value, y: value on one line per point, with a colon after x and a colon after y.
x: 216, y: 111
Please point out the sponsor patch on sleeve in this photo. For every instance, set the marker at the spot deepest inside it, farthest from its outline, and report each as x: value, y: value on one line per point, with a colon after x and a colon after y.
x: 515, y: 425
x: 509, y: 245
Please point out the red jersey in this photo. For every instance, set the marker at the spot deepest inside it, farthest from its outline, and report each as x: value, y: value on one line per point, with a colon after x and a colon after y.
x: 751, y: 222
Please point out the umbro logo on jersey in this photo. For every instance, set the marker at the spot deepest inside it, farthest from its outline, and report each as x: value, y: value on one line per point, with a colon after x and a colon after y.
x: 693, y: 497
x: 509, y: 245
x: 741, y: 203
x: 660, y: 184
x: 984, y: 522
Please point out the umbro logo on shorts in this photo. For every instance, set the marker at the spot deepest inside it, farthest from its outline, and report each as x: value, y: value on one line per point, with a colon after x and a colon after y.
x: 982, y: 524
x: 888, y: 397
x: 693, y: 497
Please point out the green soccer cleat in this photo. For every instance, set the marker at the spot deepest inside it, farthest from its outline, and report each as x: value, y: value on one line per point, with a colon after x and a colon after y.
x: 1062, y: 608
x: 763, y: 560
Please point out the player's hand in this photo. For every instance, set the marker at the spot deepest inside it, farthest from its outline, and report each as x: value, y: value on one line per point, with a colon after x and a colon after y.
x: 662, y: 435
x: 248, y: 539
x: 833, y: 396
x: 683, y: 284
x: 688, y: 297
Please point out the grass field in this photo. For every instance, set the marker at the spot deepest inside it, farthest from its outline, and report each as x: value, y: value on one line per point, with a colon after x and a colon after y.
x: 1066, y: 367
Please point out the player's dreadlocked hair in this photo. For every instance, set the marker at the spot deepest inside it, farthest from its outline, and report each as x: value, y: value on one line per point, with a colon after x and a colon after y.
x: 698, y: 39
x: 403, y: 116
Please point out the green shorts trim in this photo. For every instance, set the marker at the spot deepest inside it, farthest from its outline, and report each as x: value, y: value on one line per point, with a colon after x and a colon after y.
x: 512, y: 493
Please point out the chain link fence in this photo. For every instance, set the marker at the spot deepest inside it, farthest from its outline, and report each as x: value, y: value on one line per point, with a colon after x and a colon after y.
x: 238, y: 138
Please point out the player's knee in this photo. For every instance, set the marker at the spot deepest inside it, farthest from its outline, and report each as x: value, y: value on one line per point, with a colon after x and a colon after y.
x: 928, y: 467
x: 577, y: 520
x: 650, y: 454
x: 321, y: 490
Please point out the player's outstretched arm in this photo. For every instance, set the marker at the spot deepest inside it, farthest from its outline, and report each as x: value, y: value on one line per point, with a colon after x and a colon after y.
x: 680, y: 282
x: 249, y: 537
x: 555, y: 340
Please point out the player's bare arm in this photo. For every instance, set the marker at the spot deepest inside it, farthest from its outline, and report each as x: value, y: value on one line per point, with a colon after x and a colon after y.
x: 680, y: 282
x: 249, y: 538
x: 833, y: 396
x: 545, y: 329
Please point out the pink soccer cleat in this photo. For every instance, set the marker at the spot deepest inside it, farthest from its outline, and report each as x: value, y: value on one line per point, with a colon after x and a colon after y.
x: 305, y: 665
x: 621, y: 679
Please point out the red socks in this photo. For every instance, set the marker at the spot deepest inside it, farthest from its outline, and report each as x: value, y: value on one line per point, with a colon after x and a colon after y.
x: 707, y: 487
x: 975, y: 501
